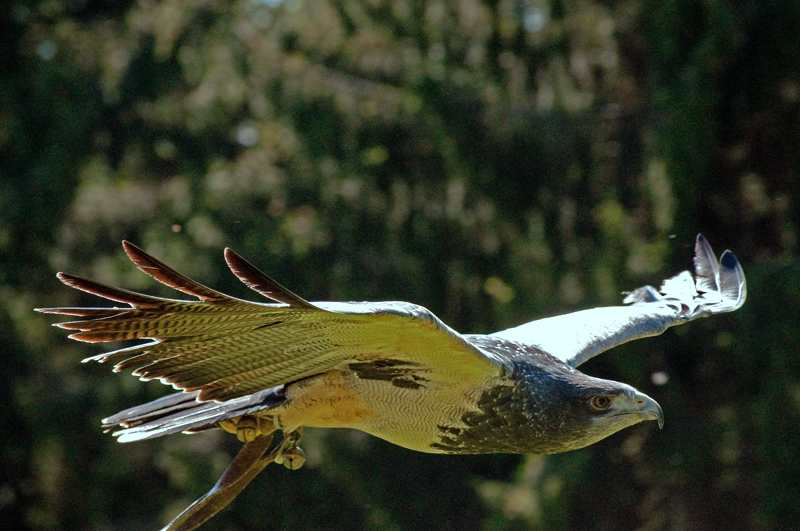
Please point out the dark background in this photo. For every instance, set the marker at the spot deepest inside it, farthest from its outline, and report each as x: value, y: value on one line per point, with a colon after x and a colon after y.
x: 494, y: 161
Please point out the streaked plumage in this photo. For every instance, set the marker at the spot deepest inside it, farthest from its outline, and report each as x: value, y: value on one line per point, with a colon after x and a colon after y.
x: 392, y: 369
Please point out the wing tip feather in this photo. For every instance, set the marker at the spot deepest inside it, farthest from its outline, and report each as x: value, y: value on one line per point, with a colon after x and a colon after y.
x: 732, y: 280
x: 168, y: 276
x: 259, y: 282
x: 724, y: 276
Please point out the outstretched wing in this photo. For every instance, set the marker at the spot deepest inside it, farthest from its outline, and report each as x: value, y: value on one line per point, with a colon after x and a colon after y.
x: 718, y: 287
x: 225, y: 348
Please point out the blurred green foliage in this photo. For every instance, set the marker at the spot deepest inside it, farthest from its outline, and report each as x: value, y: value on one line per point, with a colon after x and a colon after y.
x: 495, y: 161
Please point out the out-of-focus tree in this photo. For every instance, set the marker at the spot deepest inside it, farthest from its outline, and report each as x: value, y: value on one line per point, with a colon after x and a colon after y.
x: 493, y: 161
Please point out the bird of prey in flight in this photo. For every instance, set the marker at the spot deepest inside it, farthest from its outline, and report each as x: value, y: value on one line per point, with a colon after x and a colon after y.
x: 391, y: 369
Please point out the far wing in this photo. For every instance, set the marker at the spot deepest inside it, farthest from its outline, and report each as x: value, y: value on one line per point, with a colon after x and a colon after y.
x: 227, y: 348
x: 718, y: 287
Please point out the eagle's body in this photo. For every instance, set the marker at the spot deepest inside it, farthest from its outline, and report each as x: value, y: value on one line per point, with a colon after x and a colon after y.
x: 498, y: 413
x: 405, y: 404
x: 391, y: 369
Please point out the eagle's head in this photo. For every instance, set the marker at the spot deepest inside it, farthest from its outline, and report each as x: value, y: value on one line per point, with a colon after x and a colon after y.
x: 541, y: 405
x: 571, y: 410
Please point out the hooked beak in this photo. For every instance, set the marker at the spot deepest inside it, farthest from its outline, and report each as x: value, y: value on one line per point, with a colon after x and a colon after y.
x: 649, y: 409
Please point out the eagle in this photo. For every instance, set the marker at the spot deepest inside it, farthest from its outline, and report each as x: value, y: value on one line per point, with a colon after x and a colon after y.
x: 391, y: 369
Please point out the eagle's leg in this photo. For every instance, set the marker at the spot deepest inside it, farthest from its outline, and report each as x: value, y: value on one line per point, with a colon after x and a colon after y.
x: 245, y: 466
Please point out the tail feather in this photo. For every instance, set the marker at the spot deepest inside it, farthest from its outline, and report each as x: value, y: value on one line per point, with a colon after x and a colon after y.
x: 156, y: 409
x: 181, y: 412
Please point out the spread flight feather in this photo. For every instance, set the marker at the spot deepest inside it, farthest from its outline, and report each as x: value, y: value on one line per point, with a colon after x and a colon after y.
x: 227, y: 348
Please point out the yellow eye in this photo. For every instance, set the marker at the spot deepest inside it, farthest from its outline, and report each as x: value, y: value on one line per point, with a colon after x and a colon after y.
x: 600, y: 402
